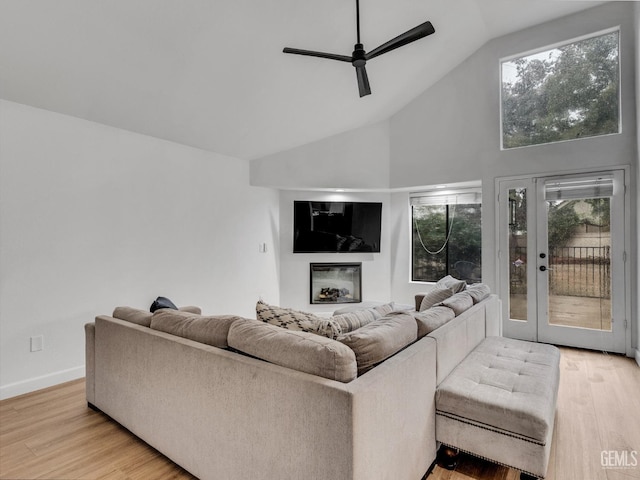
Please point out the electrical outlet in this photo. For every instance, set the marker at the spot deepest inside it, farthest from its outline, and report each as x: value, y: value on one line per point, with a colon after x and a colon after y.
x: 37, y: 343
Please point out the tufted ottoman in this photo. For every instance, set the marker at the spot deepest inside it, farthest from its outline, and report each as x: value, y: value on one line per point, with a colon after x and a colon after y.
x: 499, y: 403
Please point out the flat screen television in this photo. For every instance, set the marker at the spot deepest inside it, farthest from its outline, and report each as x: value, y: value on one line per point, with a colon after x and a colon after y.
x: 336, y: 226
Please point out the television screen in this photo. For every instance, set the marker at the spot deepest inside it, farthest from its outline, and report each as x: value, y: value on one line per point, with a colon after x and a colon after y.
x: 336, y: 226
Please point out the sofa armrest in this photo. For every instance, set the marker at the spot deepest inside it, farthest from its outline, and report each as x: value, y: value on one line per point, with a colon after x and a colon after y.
x: 394, y: 415
x: 418, y: 300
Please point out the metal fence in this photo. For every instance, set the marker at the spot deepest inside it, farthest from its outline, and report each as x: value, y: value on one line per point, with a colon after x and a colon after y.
x: 573, y: 271
x: 580, y: 271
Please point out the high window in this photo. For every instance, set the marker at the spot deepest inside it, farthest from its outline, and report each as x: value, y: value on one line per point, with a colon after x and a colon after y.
x: 446, y: 236
x: 566, y: 92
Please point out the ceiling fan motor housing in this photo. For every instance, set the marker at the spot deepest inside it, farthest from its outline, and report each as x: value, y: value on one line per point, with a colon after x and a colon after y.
x: 359, y: 56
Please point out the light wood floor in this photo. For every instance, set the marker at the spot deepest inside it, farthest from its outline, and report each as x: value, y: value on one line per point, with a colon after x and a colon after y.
x: 51, y: 434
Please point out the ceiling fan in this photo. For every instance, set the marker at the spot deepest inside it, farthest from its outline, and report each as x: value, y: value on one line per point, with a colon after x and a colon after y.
x: 359, y: 56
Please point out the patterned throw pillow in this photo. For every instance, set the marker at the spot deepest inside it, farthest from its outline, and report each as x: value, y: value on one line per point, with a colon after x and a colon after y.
x: 297, y: 320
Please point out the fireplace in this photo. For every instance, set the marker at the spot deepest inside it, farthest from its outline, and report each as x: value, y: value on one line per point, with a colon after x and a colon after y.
x: 336, y: 283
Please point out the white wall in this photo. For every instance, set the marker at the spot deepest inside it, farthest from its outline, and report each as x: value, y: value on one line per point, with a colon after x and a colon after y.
x: 294, y: 267
x: 451, y: 132
x: 357, y: 159
x: 637, y: 29
x: 92, y: 217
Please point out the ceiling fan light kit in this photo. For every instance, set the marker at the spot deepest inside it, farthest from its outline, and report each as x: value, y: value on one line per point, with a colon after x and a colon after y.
x: 359, y: 57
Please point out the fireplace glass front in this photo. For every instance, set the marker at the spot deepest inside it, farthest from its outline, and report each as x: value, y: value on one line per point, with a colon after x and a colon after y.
x: 336, y: 283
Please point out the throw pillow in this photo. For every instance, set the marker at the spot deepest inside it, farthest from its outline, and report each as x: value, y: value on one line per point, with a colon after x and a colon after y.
x: 380, y: 339
x: 297, y: 320
x: 436, y: 295
x: 353, y: 320
x: 432, y: 318
x: 385, y: 309
x: 478, y: 291
x: 452, y: 283
x: 162, y: 302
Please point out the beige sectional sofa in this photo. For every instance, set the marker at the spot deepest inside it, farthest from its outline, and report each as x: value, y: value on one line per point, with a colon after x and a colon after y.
x: 233, y: 398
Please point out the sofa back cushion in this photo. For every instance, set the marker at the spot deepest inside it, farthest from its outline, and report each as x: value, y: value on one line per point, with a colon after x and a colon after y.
x: 478, y: 292
x: 133, y: 315
x: 295, y: 349
x: 211, y: 330
x: 459, y: 303
x: 380, y: 339
x: 432, y: 318
x: 296, y: 320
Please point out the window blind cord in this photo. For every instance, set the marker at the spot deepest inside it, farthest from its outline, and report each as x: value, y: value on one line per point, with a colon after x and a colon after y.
x: 446, y: 240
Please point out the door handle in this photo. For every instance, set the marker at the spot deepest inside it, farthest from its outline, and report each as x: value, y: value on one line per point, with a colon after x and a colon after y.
x: 543, y: 268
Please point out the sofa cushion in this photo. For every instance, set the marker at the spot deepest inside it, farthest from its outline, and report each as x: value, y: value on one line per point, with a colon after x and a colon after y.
x: 380, y: 307
x: 452, y: 283
x: 436, y: 295
x: 460, y: 302
x: 432, y: 318
x: 298, y: 350
x: 191, y: 309
x: 133, y: 315
x: 380, y: 339
x: 212, y: 330
x: 297, y: 320
x: 507, y: 384
x: 478, y: 291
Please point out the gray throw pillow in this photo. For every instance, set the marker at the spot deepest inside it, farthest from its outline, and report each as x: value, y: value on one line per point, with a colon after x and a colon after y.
x: 435, y: 296
x: 452, y: 283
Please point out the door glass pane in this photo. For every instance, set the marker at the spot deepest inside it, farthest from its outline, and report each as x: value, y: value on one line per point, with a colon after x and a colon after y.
x: 579, y: 240
x: 518, y: 254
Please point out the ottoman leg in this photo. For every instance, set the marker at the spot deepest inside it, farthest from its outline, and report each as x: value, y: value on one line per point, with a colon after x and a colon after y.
x: 448, y: 457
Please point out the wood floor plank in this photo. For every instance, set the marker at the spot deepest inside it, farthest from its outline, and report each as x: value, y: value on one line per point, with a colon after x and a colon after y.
x: 51, y: 434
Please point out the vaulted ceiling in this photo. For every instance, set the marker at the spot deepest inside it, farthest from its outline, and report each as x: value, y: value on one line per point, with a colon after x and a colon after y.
x: 211, y: 73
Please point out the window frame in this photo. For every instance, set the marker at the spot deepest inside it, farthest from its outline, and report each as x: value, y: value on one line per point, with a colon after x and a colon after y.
x: 502, y: 60
x: 473, y: 195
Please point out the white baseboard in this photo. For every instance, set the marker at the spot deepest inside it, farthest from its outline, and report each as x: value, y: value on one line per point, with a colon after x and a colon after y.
x: 38, y: 383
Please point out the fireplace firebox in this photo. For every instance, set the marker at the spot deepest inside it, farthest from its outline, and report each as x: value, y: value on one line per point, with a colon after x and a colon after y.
x: 335, y: 283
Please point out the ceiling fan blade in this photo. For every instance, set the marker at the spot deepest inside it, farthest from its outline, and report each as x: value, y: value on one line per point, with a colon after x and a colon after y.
x: 311, y: 53
x: 363, y: 81
x: 409, y: 36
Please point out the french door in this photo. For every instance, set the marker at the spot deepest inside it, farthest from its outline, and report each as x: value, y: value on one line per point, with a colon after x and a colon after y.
x: 561, y: 259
